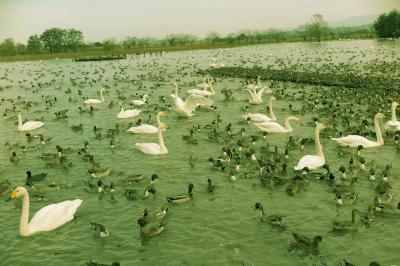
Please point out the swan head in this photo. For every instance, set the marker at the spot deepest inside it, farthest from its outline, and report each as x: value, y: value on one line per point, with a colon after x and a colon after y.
x: 395, y: 104
x: 273, y: 98
x: 321, y: 126
x: 379, y: 116
x: 18, y: 192
x: 297, y: 120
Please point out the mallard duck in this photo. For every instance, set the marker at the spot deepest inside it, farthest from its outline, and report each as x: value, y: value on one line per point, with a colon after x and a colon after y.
x: 182, y: 198
x: 100, y: 230
x: 272, y: 219
x: 92, y: 188
x: 33, y: 178
x: 309, y: 246
x: 346, y: 199
x: 210, y: 186
x: 150, y: 230
x: 347, y: 226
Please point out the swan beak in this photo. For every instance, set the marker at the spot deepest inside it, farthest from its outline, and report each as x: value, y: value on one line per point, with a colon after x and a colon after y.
x: 300, y: 123
x: 12, y: 196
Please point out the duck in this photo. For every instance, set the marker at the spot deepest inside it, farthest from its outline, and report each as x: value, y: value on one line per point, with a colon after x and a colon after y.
x: 150, y: 230
x: 182, y: 198
x: 210, y: 186
x: 355, y: 140
x: 143, y: 101
x: 28, y: 126
x: 99, y: 229
x: 146, y: 128
x: 347, y: 226
x: 155, y: 148
x: 273, y: 219
x: 30, y: 178
x: 14, y: 158
x: 96, y: 101
x: 186, y: 108
x: 313, y: 161
x: 158, y: 216
x: 258, y: 117
x: 309, y: 246
x: 127, y: 113
x: 393, y: 124
x: 346, y: 199
x: 47, y: 218
x: 93, y: 188
x: 274, y: 127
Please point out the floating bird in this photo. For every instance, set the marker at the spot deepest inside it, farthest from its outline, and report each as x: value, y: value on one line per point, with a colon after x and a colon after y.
x: 155, y: 148
x: 27, y: 126
x: 355, y: 140
x: 96, y: 101
x: 46, y: 219
x: 313, y: 161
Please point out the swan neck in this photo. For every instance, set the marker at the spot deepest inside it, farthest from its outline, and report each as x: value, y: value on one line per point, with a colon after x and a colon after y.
x: 23, y: 225
x: 160, y: 137
x: 394, y: 119
x: 101, y: 95
x: 287, y: 124
x: 318, y: 145
x: 176, y: 90
x: 271, y: 111
x: 378, y: 132
x: 19, y: 120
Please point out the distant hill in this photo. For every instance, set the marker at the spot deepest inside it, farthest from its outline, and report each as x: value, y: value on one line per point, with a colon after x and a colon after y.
x: 354, y: 21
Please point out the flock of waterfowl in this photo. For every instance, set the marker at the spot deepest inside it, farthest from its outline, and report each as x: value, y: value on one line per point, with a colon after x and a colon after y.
x: 253, y: 148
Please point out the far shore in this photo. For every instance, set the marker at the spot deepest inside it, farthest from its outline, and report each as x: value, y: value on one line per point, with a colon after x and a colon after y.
x: 144, y: 50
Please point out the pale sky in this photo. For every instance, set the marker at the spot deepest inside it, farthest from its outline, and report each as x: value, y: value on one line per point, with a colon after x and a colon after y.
x: 102, y: 19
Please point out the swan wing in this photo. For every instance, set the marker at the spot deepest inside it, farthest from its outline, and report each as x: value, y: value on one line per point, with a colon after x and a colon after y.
x: 149, y: 148
x: 258, y: 117
x: 144, y: 128
x: 354, y: 141
x: 311, y: 161
x: 271, y: 127
x: 54, y: 215
x: 260, y: 92
x: 196, y: 100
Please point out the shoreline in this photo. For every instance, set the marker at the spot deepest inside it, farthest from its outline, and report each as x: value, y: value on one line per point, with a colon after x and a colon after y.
x: 147, y: 50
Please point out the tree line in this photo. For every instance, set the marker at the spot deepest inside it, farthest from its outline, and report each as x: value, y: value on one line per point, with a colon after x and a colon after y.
x: 57, y: 40
x: 388, y: 25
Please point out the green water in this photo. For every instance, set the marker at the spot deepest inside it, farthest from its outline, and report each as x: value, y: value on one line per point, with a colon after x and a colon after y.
x: 221, y: 228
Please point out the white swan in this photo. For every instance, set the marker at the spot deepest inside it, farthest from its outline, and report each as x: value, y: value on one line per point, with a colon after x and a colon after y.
x: 96, y: 101
x: 274, y: 127
x: 355, y: 140
x: 256, y: 97
x: 31, y: 125
x: 313, y: 161
x: 141, y: 102
x: 205, y: 86
x: 154, y: 148
x: 258, y: 117
x: 393, y: 125
x: 47, y: 218
x: 146, y: 128
x: 187, y: 107
x: 127, y: 113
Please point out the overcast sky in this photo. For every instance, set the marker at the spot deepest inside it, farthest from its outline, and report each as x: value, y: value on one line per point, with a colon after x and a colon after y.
x: 102, y: 19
